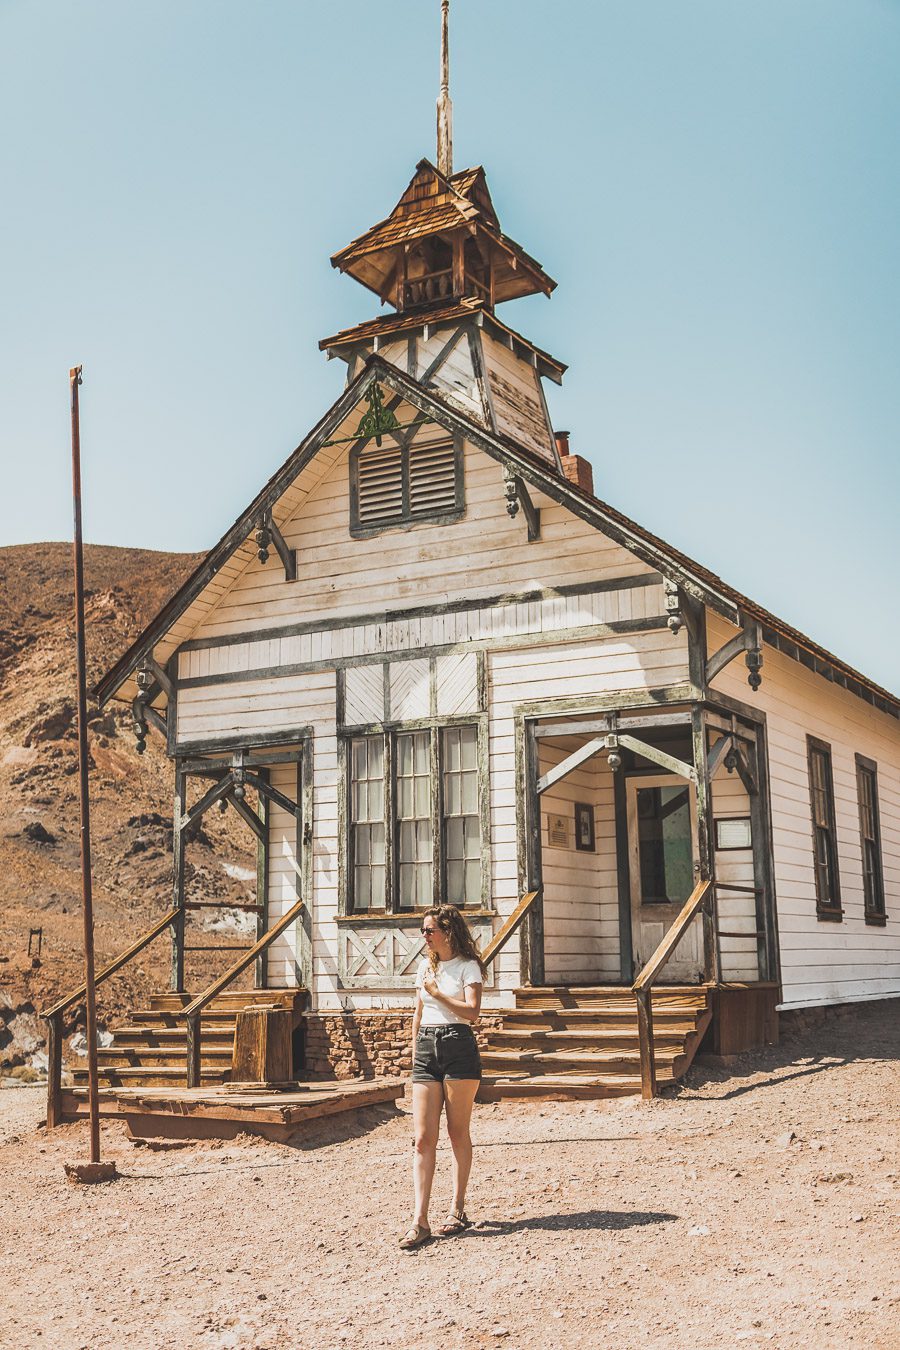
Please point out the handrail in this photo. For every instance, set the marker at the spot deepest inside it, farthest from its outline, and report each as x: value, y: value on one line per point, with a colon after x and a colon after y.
x: 643, y: 985
x: 496, y: 944
x: 193, y: 1010
x: 115, y: 965
x: 653, y: 968
x: 54, y: 1015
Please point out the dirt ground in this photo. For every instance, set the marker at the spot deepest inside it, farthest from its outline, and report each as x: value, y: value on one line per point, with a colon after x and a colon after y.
x: 759, y: 1205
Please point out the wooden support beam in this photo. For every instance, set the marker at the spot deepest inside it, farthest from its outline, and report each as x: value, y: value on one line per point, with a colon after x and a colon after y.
x: 248, y: 816
x: 613, y: 722
x: 156, y: 720
x: 659, y: 757
x: 215, y: 794
x: 287, y: 555
x: 716, y: 757
x: 159, y: 674
x: 517, y: 495
x: 748, y: 640
x: 571, y: 763
x: 744, y: 772
x: 271, y: 794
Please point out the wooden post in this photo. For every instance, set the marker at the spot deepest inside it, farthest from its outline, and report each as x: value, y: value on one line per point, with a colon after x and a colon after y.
x: 645, y: 1038
x: 54, y: 1072
x: 532, y: 808
x: 705, y: 842
x: 260, y: 975
x: 178, y: 809
x: 193, y: 1050
x: 90, y: 1001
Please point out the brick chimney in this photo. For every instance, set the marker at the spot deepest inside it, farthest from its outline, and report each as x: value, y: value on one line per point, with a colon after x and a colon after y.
x: 577, y: 469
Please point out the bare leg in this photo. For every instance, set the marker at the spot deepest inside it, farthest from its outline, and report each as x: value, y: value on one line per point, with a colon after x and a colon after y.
x: 428, y: 1099
x: 459, y: 1096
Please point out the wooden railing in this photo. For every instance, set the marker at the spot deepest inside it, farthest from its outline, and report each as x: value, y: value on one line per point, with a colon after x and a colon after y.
x: 54, y: 1014
x: 496, y: 944
x: 643, y: 985
x: 194, y: 1009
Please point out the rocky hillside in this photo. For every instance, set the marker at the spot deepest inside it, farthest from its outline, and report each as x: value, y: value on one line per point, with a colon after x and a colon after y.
x: 131, y: 795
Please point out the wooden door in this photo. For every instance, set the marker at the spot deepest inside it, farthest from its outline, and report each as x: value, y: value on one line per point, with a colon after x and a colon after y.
x: 663, y: 858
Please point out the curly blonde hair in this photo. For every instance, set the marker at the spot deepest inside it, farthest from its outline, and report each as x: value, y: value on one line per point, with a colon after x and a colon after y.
x: 451, y: 922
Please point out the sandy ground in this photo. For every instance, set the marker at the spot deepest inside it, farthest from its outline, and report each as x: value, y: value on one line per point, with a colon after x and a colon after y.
x: 692, y: 1221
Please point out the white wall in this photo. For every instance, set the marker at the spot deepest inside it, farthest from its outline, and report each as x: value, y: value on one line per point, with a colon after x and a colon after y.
x: 823, y: 962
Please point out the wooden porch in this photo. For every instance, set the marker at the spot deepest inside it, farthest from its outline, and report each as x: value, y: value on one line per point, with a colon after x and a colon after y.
x: 228, y: 1109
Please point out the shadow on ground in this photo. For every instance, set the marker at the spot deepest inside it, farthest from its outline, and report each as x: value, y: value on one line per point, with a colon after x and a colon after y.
x: 587, y: 1219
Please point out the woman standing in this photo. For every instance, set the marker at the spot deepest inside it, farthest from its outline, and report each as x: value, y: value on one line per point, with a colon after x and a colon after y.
x: 446, y: 1063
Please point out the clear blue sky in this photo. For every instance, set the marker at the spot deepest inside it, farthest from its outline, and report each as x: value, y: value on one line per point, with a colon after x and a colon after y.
x: 714, y: 185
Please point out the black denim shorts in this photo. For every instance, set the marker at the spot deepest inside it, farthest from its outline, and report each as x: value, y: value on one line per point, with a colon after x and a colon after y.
x: 446, y: 1052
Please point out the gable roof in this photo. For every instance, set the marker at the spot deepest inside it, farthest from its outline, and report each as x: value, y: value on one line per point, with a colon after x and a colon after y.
x: 697, y: 580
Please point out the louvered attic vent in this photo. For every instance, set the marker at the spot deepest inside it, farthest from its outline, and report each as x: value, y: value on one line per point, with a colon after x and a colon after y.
x: 396, y: 485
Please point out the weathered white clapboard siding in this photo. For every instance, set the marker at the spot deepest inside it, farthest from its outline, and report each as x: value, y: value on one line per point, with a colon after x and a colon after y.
x: 737, y: 910
x: 527, y: 621
x: 581, y: 904
x: 594, y: 669
x: 339, y: 576
x: 211, y: 712
x: 516, y: 397
x: 824, y: 962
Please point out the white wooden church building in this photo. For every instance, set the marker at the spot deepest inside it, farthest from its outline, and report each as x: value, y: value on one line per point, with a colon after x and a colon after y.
x: 454, y: 673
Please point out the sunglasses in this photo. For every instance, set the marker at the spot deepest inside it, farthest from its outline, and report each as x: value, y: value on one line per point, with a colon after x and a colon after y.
x: 428, y: 931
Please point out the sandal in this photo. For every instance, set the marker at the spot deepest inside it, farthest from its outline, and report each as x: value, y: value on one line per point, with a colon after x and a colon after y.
x: 454, y: 1224
x: 416, y: 1237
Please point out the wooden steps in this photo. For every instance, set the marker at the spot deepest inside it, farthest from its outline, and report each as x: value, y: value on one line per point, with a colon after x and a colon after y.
x: 581, y: 1043
x: 150, y: 1049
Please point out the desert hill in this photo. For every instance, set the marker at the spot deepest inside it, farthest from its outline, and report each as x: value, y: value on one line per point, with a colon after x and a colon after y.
x: 131, y: 795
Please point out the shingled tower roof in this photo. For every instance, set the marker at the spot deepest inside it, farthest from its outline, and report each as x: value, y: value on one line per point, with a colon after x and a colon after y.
x: 442, y: 241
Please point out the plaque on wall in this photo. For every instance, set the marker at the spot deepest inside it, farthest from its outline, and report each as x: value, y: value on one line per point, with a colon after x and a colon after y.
x: 558, y: 832
x: 733, y: 832
x: 585, y: 838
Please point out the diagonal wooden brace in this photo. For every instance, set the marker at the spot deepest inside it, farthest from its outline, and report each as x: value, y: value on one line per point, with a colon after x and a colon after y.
x: 748, y: 640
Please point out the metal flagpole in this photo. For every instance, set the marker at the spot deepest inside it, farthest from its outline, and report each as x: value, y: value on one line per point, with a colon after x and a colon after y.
x: 86, y: 891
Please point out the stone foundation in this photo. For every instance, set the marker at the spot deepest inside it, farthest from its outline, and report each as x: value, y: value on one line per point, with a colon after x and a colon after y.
x: 366, y: 1044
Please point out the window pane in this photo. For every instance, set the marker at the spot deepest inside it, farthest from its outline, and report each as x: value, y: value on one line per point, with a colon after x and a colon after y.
x: 422, y: 796
x: 367, y: 821
x: 472, y: 836
x: 664, y: 844
x: 469, y: 792
x: 468, y: 737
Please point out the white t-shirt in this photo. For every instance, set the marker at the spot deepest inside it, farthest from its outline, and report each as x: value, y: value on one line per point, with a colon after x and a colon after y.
x: 452, y: 978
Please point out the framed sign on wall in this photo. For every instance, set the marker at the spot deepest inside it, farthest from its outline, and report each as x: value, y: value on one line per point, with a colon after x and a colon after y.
x: 585, y: 837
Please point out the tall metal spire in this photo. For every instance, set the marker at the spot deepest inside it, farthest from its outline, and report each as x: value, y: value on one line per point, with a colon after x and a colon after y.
x: 444, y: 106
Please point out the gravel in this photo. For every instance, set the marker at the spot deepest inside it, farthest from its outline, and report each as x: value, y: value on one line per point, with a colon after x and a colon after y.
x: 688, y: 1222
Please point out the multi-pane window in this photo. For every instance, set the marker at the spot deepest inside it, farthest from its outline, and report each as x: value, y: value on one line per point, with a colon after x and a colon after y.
x: 367, y: 828
x: 870, y: 839
x: 415, y: 841
x: 462, y: 822
x: 821, y: 788
x: 397, y: 484
x: 415, y: 831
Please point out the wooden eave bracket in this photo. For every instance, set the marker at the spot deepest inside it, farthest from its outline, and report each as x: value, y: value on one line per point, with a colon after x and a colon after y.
x: 749, y: 641
x: 143, y: 713
x: 268, y: 533
x: 517, y: 495
x: 682, y: 609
